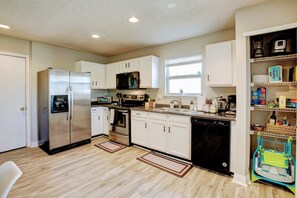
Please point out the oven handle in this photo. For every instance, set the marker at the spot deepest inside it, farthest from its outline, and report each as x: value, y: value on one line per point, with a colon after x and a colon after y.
x: 123, y: 111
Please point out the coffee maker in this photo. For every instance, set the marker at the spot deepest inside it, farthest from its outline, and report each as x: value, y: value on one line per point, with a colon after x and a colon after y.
x: 232, y: 103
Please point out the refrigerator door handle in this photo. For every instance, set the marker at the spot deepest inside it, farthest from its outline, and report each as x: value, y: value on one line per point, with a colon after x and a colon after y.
x: 68, y: 94
x: 71, y: 116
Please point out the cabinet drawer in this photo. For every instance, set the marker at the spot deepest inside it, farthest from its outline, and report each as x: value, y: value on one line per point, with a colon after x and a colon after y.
x: 140, y: 114
x: 180, y: 119
x: 95, y: 109
x: 161, y: 116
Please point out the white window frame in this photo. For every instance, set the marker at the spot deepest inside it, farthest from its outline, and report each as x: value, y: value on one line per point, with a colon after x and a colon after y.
x: 167, y: 77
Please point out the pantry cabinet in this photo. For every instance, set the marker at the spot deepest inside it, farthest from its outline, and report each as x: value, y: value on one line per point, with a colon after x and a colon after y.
x: 220, y: 64
x: 111, y: 71
x: 129, y: 65
x: 149, y: 72
x: 97, y: 73
x: 285, y: 86
x: 162, y: 132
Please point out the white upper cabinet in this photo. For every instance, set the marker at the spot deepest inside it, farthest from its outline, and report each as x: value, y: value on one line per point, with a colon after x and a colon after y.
x: 111, y: 72
x: 129, y: 65
x: 149, y: 72
x: 220, y: 64
x: 97, y: 73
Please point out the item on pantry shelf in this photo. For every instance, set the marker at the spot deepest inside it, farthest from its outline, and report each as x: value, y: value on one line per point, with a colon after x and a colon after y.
x: 272, y: 119
x: 257, y: 127
x: 258, y: 46
x: 271, y: 103
x: 281, y: 129
x: 255, y: 98
x: 260, y: 78
x: 275, y: 73
x: 286, y: 74
x: 290, y: 102
x: 262, y: 95
x: 285, y: 122
x: 282, y: 102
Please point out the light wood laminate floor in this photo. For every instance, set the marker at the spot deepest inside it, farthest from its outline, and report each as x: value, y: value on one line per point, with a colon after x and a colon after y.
x: 88, y: 171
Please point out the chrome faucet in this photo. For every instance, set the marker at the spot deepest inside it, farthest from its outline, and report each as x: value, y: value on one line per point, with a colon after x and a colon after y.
x: 178, y: 102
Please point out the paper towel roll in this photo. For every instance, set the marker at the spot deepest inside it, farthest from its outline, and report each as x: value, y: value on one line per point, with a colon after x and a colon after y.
x: 200, y: 102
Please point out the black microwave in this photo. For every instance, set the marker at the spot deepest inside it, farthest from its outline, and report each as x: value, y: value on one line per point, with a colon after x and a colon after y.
x: 128, y: 80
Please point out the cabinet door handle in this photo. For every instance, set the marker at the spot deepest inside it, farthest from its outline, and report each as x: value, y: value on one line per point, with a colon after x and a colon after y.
x: 137, y: 113
x: 145, y: 125
x: 168, y: 129
x: 98, y: 117
x: 164, y: 128
x: 92, y: 82
x: 207, y: 77
x: 96, y: 83
x: 128, y: 64
x: 106, y: 117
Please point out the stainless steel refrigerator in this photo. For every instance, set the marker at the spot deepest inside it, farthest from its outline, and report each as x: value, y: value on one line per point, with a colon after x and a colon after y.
x: 64, y: 109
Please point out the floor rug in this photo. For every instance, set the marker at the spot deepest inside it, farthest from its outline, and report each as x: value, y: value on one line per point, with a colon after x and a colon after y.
x: 165, y: 163
x: 110, y: 146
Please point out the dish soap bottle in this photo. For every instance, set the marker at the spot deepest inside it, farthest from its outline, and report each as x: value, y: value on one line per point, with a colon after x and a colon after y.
x: 192, y: 106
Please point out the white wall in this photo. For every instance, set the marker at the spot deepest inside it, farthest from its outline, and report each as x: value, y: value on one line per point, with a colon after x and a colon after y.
x: 265, y: 15
x: 42, y: 56
x: 181, y: 48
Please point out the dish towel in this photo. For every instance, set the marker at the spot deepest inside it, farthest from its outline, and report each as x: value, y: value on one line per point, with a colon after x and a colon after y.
x: 111, y: 120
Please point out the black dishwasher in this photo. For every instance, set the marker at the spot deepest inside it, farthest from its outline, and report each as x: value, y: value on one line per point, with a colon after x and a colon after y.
x: 211, y: 144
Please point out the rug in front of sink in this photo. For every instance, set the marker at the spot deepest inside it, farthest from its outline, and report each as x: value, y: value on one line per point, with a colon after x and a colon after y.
x: 168, y: 164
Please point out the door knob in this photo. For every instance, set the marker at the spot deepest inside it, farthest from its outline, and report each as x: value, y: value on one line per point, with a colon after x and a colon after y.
x: 22, y: 108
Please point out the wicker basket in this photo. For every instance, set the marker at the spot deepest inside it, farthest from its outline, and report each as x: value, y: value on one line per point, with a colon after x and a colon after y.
x: 290, y: 130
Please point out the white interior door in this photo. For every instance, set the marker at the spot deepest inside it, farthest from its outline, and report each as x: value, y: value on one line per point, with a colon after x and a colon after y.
x: 12, y: 102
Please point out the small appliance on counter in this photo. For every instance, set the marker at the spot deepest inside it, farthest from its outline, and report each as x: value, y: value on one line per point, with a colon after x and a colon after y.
x: 223, y: 104
x: 231, y: 107
x: 104, y: 100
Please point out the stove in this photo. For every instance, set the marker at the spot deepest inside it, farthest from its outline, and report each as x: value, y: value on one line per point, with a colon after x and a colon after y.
x: 120, y: 119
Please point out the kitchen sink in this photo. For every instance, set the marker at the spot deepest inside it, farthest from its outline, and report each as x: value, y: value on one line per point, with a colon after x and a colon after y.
x: 166, y: 109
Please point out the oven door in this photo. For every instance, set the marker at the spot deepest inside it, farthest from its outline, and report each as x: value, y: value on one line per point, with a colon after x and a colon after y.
x: 121, y: 122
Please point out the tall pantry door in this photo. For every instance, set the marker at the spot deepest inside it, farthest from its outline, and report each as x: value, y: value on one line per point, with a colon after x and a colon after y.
x: 12, y: 102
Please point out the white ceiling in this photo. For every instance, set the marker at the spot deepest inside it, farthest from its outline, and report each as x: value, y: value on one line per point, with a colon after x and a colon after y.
x: 69, y: 23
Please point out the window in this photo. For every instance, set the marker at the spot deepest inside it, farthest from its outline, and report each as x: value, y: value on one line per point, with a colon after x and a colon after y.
x: 183, y: 75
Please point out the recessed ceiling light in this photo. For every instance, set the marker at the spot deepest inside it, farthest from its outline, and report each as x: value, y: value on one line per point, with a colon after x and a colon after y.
x: 133, y: 20
x: 171, y: 5
x: 95, y: 36
x: 4, y: 26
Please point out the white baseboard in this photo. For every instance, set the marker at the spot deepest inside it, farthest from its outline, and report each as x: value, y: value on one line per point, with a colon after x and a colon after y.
x: 34, y: 144
x: 240, y: 179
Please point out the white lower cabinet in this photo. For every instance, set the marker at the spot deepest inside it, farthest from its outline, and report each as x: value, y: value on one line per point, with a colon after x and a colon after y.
x: 99, y: 121
x: 162, y: 132
x: 179, y: 140
x: 105, y: 121
x: 139, y: 128
x: 158, y: 134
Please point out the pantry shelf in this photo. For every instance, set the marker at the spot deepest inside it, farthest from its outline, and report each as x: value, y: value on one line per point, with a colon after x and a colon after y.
x: 274, y: 58
x: 265, y: 108
x: 274, y: 84
x: 273, y: 134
